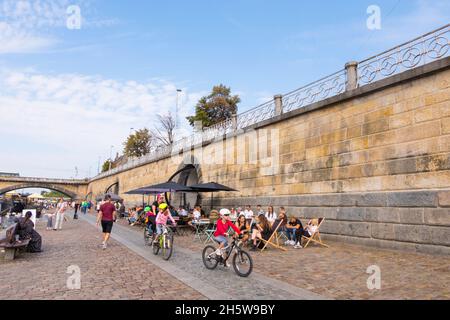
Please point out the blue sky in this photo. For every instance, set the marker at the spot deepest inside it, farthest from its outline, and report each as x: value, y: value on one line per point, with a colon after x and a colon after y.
x: 77, y: 92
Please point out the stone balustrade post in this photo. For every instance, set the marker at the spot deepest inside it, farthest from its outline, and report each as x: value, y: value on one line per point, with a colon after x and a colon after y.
x: 278, y: 104
x: 351, y: 69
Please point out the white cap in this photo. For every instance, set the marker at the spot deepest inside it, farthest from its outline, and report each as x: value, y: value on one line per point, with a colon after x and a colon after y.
x: 224, y: 212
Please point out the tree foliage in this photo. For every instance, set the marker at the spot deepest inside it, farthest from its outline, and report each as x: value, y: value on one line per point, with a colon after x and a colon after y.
x: 138, y: 144
x: 218, y: 106
x: 105, y: 166
x: 52, y: 194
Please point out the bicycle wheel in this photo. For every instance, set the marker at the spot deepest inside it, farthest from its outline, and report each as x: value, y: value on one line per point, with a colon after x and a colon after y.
x: 242, y: 263
x: 147, y: 237
x: 209, y: 258
x: 155, y: 245
x: 167, y: 248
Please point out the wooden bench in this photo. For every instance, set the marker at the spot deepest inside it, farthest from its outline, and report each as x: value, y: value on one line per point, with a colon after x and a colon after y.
x: 9, y: 243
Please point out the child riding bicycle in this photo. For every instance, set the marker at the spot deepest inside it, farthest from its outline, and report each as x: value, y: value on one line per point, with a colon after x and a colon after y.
x: 223, y: 225
x: 161, y: 219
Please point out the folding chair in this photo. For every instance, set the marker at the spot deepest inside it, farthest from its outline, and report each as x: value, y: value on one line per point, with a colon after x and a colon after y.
x: 273, y: 239
x: 315, y: 237
x: 281, y: 237
x: 210, y: 231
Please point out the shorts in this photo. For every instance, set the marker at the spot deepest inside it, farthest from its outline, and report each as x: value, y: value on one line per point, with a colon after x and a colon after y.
x: 107, y: 226
x: 221, y: 239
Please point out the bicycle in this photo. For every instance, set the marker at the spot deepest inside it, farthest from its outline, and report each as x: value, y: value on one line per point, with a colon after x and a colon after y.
x: 241, y: 259
x: 148, y: 235
x: 164, y: 243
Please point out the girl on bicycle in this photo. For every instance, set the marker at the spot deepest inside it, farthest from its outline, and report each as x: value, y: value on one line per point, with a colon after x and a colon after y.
x: 161, y: 219
x: 223, y: 224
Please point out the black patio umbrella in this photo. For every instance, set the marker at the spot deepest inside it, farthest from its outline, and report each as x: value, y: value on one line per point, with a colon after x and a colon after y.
x: 114, y: 197
x: 165, y: 187
x: 211, y: 187
x: 142, y: 191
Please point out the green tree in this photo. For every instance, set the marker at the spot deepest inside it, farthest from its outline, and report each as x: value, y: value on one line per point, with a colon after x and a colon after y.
x: 52, y: 194
x: 105, y: 166
x: 138, y: 144
x: 218, y: 106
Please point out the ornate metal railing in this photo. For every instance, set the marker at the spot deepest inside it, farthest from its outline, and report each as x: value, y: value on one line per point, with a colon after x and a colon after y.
x: 424, y: 49
x: 429, y: 47
x: 317, y: 91
x: 263, y: 112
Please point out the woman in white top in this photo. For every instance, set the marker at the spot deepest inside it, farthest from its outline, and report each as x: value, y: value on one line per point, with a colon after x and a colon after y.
x: 271, y: 215
x: 311, y: 227
x: 60, y: 209
x: 197, y: 213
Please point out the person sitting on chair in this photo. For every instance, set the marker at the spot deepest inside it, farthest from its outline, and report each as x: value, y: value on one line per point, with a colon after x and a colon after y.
x: 294, y: 230
x: 25, y: 230
x: 311, y: 227
x: 262, y: 230
x: 244, y: 227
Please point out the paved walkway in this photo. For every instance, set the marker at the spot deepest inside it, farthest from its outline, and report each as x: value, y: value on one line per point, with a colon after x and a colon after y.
x: 115, y: 273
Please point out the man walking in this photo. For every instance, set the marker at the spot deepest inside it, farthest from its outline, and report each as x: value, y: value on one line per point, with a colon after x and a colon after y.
x: 106, y: 216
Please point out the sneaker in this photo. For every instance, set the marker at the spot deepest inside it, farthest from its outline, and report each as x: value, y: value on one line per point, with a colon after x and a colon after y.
x: 298, y: 245
x: 287, y: 242
x: 226, y: 264
x: 104, y: 246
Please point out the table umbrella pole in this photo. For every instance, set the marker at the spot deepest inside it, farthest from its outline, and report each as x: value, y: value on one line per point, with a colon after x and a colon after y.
x: 212, y: 199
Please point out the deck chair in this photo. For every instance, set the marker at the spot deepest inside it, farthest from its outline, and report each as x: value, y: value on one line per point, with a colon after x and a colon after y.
x: 315, y: 237
x: 273, y: 239
x: 281, y: 236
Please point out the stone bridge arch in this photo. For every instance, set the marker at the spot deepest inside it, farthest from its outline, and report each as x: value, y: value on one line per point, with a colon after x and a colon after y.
x: 188, y: 173
x: 113, y: 188
x: 65, y: 191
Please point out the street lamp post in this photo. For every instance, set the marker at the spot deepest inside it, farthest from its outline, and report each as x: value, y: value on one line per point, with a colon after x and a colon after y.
x: 110, y: 157
x: 177, y: 110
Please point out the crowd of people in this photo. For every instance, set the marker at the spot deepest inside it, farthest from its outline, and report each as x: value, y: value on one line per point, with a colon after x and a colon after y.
x: 252, y: 225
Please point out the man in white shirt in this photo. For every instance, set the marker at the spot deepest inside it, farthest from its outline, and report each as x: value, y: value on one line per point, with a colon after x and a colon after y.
x: 248, y: 212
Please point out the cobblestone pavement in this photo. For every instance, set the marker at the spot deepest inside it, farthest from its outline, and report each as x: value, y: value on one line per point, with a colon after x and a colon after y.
x: 123, y: 270
x: 220, y: 283
x: 340, y: 271
x: 114, y: 273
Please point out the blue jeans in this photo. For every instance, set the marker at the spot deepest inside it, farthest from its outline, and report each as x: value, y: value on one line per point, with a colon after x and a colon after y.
x: 221, y: 239
x: 159, y: 229
x: 290, y: 233
x: 49, y: 222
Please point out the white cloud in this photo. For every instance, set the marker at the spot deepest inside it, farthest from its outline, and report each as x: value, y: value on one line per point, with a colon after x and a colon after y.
x: 71, y: 119
x: 27, y: 26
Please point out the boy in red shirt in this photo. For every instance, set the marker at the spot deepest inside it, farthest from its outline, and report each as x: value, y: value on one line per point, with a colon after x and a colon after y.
x: 223, y: 224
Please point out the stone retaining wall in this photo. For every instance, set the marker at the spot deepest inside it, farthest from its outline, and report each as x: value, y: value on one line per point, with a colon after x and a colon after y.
x: 418, y: 221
